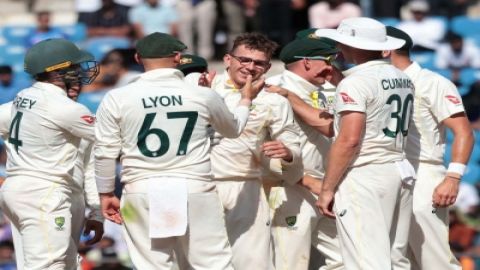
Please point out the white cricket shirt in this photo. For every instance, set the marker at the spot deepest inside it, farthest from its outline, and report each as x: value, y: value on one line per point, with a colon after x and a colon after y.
x: 158, y: 125
x: 45, y: 131
x: 384, y: 94
x: 436, y: 99
x: 271, y: 116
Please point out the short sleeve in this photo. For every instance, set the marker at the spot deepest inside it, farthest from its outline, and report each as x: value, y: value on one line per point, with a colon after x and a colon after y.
x: 77, y: 120
x: 445, y: 99
x: 351, y: 96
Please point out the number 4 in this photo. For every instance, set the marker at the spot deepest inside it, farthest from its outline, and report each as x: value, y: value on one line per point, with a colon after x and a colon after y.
x: 15, y: 126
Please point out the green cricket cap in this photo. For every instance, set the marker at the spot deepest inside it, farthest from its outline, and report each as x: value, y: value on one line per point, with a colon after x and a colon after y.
x: 308, y: 47
x: 397, y: 33
x: 305, y: 33
x: 159, y: 45
x: 189, y: 61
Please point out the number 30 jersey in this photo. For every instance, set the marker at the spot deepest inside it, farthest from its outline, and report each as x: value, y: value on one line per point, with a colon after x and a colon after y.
x: 45, y: 131
x: 384, y: 94
x: 159, y: 125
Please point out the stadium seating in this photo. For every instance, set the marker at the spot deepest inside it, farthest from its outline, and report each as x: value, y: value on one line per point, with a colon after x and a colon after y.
x: 465, y: 26
x: 17, y: 34
x: 425, y: 59
x: 100, y: 46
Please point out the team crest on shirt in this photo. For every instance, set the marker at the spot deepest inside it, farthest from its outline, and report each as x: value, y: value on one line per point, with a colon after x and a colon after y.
x: 455, y: 100
x: 88, y: 118
x: 347, y: 99
x: 60, y: 221
x: 291, y: 221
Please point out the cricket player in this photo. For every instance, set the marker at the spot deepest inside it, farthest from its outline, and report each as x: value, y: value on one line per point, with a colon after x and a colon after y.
x: 158, y: 126
x: 84, y: 191
x: 437, y: 106
x: 366, y: 167
x: 236, y: 163
x: 297, y: 223
x: 44, y: 135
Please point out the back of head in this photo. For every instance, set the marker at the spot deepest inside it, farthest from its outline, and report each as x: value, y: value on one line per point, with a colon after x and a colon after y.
x: 255, y: 41
x: 397, y: 33
x: 61, y: 56
x: 159, y: 45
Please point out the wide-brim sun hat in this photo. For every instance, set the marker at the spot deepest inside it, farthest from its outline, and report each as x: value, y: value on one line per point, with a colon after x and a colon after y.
x: 362, y: 33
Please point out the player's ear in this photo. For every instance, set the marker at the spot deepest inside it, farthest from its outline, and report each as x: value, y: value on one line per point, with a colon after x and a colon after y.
x: 177, y: 58
x: 226, y: 59
x: 386, y: 54
x: 138, y: 59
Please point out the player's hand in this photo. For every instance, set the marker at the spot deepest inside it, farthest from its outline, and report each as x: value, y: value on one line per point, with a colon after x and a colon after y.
x: 251, y: 89
x: 446, y: 192
x: 276, y: 149
x: 206, y: 78
x: 312, y: 184
x: 111, y: 207
x: 325, y: 203
x: 277, y: 89
x: 96, y: 227
x: 335, y: 76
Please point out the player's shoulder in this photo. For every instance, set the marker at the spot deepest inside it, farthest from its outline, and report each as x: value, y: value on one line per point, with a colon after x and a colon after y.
x: 433, y: 78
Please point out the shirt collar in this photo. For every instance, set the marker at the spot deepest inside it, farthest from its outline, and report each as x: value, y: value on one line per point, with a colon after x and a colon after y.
x: 160, y: 73
x: 302, y: 86
x: 50, y: 88
x: 412, y: 70
x: 364, y: 65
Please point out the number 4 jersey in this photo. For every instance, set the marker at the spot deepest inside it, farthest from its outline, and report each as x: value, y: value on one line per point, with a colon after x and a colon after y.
x: 384, y: 94
x: 159, y: 126
x: 44, y: 134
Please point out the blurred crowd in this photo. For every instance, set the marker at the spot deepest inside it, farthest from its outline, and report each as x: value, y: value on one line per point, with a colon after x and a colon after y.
x: 445, y: 33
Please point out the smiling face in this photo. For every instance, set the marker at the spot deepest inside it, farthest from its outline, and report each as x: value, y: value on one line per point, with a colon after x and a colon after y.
x: 243, y: 62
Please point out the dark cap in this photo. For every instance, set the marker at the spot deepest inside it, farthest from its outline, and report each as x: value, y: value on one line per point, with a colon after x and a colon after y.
x: 397, y: 33
x: 189, y: 61
x: 158, y: 45
x: 306, y: 33
x: 306, y: 47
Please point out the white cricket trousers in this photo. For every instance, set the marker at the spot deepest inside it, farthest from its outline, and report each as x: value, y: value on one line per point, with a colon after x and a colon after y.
x: 40, y: 211
x: 297, y: 225
x: 364, y: 208
x: 248, y: 223
x: 429, y: 229
x: 401, y: 229
x: 205, y: 243
x: 78, y: 221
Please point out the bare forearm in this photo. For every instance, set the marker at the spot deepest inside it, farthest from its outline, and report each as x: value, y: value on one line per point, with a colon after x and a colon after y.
x: 339, y: 159
x: 311, y: 116
x: 462, y: 146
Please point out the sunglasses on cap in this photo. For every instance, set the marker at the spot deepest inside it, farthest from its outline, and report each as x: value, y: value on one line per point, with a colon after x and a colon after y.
x: 247, y: 60
x: 329, y: 59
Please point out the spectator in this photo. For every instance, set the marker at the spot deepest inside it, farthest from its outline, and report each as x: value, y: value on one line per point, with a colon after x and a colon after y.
x: 197, y: 17
x: 457, y: 54
x: 43, y: 30
x: 426, y: 32
x: 152, y: 16
x: 110, y: 20
x: 9, y: 87
x: 328, y: 14
x: 7, y: 260
x: 461, y: 236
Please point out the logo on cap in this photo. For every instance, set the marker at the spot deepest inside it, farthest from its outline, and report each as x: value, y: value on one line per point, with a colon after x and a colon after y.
x: 185, y: 60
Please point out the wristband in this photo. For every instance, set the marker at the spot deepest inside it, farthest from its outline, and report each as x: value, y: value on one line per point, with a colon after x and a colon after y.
x: 456, y: 169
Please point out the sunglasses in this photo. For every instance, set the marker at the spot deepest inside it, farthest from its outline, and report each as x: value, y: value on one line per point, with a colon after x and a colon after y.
x: 329, y: 59
x: 246, y: 60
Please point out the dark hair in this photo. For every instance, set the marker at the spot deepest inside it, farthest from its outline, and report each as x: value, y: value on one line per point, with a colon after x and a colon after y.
x: 5, y: 69
x: 255, y: 41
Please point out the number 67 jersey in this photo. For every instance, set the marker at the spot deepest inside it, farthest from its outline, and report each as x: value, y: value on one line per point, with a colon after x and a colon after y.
x: 159, y: 125
x: 385, y: 95
x: 45, y: 131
